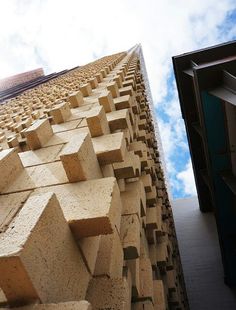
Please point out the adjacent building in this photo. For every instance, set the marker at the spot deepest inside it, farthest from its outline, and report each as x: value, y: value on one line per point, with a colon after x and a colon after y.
x: 206, y: 82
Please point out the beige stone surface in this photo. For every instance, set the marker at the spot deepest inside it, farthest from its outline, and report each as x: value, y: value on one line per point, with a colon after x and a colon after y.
x: 143, y: 305
x: 130, y: 236
x: 10, y: 206
x: 75, y: 99
x: 28, y: 249
x: 65, y: 137
x: 146, y: 282
x: 89, y: 248
x: 86, y: 89
x: 97, y: 122
x: 41, y: 156
x: 38, y: 134
x: 113, y: 88
x: 138, y: 188
x: 133, y: 265
x: 110, y: 148
x: 38, y: 176
x: 147, y: 182
x: 110, y: 257
x: 104, y: 293
x: 79, y: 159
x: 131, y: 202
x: 119, y: 120
x: 69, y: 125
x: 129, y: 168
x: 70, y: 305
x: 61, y: 112
x: 91, y: 207
x: 10, y: 167
x: 159, y: 295
x: 106, y: 100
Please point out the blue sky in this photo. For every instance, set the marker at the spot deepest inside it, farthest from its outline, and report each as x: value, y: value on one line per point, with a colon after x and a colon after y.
x: 58, y: 34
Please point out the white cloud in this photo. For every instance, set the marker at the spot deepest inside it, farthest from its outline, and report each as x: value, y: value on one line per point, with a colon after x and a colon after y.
x: 60, y: 34
x: 187, y: 179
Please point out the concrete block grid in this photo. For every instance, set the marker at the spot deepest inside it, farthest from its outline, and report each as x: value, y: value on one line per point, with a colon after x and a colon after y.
x: 85, y: 219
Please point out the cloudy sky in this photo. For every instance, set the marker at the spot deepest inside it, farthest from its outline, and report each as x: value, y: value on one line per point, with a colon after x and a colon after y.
x: 57, y: 35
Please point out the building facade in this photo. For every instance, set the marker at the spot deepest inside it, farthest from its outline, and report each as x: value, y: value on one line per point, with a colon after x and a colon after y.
x: 86, y: 221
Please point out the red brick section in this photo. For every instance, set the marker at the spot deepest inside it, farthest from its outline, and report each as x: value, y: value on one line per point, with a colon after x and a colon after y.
x: 20, y: 78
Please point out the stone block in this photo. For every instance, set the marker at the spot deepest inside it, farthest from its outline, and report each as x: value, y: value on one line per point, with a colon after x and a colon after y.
x: 110, y: 148
x: 146, y: 282
x: 37, y: 258
x: 97, y: 122
x: 162, y: 254
x: 89, y: 248
x: 123, y: 102
x: 151, y: 196
x: 12, y: 142
x: 131, y: 202
x: 129, y: 168
x: 79, y: 159
x: 107, y: 170
x: 70, y: 305
x: 91, y: 207
x: 106, y: 100
x: 76, y: 99
x: 93, y: 82
x: 10, y: 167
x: 119, y: 120
x: 151, y: 218
x: 147, y: 182
x: 109, y: 257
x: 38, y: 134
x: 118, y: 80
x: 128, y: 90
x: 104, y: 293
x: 143, y: 305
x: 40, y: 156
x: 60, y: 112
x: 10, y: 206
x: 133, y: 265
x: 86, y: 89
x: 99, y: 77
x: 130, y: 236
x: 138, y: 188
x: 113, y: 88
x: 159, y: 295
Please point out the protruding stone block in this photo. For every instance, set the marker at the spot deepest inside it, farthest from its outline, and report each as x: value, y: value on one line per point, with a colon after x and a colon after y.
x: 79, y: 159
x: 97, y: 122
x: 86, y: 89
x: 118, y: 80
x: 104, y: 293
x: 113, y: 88
x: 123, y: 102
x: 130, y: 236
x: 99, y: 77
x: 76, y: 99
x: 133, y: 265
x: 10, y: 167
x: 110, y: 148
x: 129, y: 168
x: 147, y: 182
x: 38, y: 134
x: 146, y: 282
x: 37, y: 258
x: 159, y: 295
x: 61, y: 112
x: 93, y: 82
x: 70, y: 305
x: 89, y: 247
x: 119, y: 120
x: 106, y: 100
x: 110, y: 257
x: 91, y: 207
